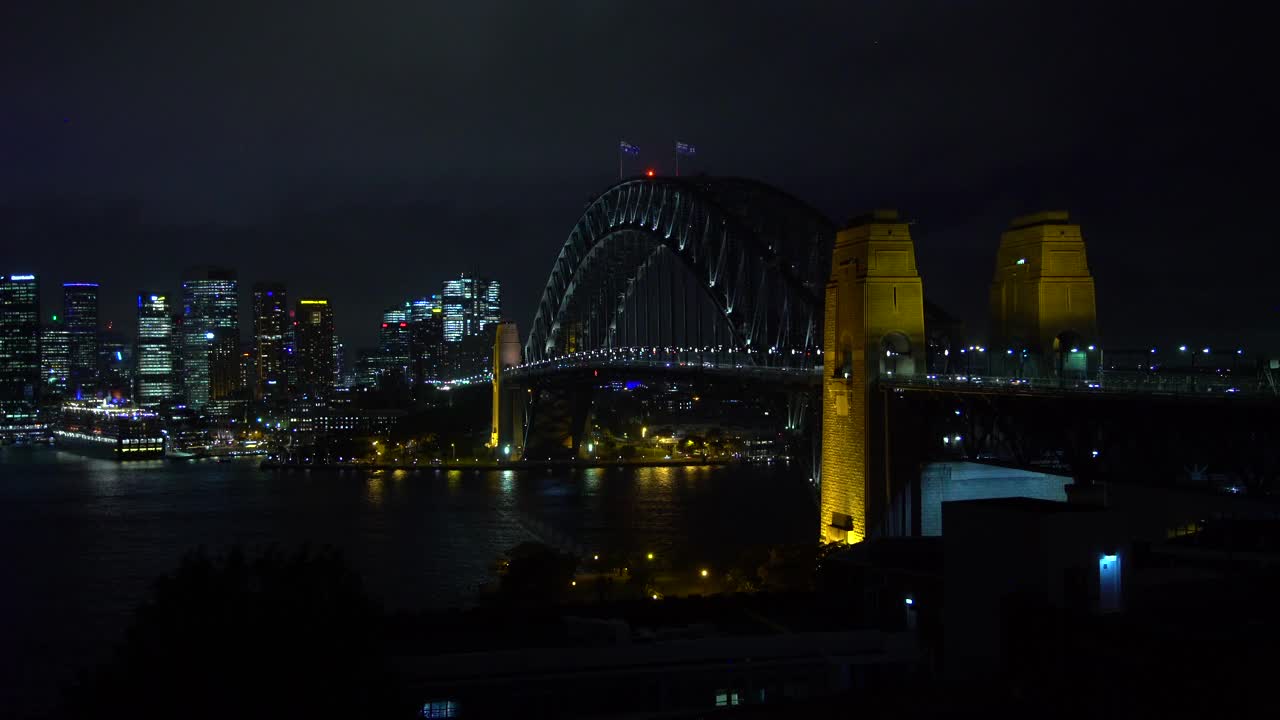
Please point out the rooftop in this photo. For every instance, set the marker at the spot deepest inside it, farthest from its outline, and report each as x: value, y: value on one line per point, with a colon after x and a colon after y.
x: 1027, y: 505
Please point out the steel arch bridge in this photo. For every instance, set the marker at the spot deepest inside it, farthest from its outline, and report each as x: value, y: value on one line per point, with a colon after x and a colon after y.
x: 720, y: 265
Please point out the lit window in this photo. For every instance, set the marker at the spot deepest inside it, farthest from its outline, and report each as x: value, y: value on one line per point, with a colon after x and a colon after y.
x: 725, y: 698
x: 440, y: 709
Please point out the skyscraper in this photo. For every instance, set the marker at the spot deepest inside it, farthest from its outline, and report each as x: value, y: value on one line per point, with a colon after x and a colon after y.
x: 19, y: 349
x: 458, y: 302
x: 270, y: 320
x: 54, y: 361
x: 314, y: 337
x: 393, y: 343
x: 80, y: 316
x: 211, y: 315
x: 472, y: 309
x: 426, y: 339
x: 116, y: 368
x: 225, y: 379
x: 155, y: 351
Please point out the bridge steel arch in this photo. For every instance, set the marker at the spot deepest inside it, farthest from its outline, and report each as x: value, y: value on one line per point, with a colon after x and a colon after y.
x: 760, y: 256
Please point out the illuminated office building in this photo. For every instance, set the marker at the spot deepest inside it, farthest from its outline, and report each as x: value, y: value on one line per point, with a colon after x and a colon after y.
x: 248, y: 366
x: 55, y: 361
x: 472, y: 309
x: 80, y: 318
x: 211, y: 316
x: 424, y: 308
x: 393, y: 343
x: 313, y: 333
x: 226, y: 387
x: 426, y: 339
x: 116, y: 376
x: 471, y: 306
x: 270, y: 321
x: 19, y: 349
x: 156, y: 371
x: 339, y: 363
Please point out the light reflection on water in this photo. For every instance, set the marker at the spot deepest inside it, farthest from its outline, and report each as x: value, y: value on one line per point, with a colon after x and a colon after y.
x: 375, y: 487
x: 94, y: 534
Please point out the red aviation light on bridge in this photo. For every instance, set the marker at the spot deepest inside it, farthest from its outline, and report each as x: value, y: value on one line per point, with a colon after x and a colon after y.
x: 648, y: 173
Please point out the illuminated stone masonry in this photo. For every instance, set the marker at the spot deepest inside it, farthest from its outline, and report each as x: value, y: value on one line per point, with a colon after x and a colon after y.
x: 874, y: 323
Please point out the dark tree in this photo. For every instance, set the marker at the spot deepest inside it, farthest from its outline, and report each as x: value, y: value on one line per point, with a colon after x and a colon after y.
x: 273, y: 636
x: 536, y: 574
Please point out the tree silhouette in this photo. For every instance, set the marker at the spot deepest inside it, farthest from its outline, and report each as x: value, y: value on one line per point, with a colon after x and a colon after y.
x: 536, y: 575
x: 273, y: 636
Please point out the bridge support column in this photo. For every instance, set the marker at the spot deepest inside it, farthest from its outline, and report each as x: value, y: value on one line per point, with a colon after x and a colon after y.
x: 1043, y: 318
x: 874, y: 324
x: 506, y: 426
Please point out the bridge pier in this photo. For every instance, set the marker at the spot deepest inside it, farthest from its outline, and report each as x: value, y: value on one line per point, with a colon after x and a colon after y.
x: 873, y: 324
x: 557, y: 419
x: 506, y: 427
x: 1043, y: 317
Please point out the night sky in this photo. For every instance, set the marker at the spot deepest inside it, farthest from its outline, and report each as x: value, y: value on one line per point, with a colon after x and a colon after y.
x: 367, y: 150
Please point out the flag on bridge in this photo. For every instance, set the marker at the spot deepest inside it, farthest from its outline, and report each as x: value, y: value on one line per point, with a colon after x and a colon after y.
x: 628, y: 148
x: 685, y: 149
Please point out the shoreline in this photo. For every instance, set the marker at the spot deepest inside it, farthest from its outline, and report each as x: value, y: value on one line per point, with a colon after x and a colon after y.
x: 491, y: 465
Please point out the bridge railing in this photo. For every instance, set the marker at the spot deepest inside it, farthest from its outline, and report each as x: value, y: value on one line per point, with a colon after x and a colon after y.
x: 1153, y: 384
x: 766, y: 363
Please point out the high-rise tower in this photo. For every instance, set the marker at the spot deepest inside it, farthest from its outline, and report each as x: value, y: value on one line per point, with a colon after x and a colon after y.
x: 472, y: 309
x: 55, y: 361
x: 270, y: 320
x: 19, y: 349
x: 211, y: 316
x: 80, y: 318
x: 155, y: 350
x: 314, y: 346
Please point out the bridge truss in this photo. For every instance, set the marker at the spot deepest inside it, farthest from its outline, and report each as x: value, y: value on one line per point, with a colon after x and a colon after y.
x: 689, y: 269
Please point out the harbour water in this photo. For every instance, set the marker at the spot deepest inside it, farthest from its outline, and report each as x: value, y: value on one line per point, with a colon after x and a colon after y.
x: 84, y: 539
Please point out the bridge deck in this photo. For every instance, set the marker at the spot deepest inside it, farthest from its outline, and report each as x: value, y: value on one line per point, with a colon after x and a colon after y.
x: 1147, y: 385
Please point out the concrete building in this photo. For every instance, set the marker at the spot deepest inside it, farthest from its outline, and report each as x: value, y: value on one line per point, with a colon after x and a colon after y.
x: 1005, y: 554
x: 674, y: 676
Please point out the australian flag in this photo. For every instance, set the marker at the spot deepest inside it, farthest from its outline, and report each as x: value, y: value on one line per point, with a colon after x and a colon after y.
x: 628, y: 148
x: 686, y: 149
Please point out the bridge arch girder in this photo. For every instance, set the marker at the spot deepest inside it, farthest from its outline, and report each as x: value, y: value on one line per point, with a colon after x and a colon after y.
x: 758, y: 255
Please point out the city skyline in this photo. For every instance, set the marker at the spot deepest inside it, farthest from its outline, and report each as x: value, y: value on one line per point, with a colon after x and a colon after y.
x: 51, y: 307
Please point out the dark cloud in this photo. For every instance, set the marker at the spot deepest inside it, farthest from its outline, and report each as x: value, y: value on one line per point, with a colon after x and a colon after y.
x: 367, y: 150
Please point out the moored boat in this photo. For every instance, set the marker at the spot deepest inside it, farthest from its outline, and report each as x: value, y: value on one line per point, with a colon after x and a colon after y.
x: 118, y: 432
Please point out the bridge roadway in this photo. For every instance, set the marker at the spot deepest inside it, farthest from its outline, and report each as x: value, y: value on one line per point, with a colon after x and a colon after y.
x: 791, y: 368
x: 777, y: 368
x: 1155, y: 384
